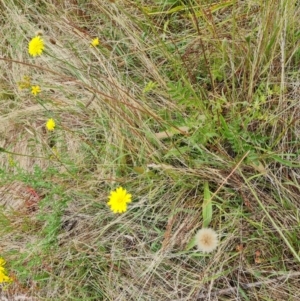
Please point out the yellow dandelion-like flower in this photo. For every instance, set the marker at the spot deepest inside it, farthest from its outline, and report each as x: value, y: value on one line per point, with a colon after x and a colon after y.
x: 95, y: 42
x: 35, y: 90
x: 36, y: 46
x: 3, y: 276
x: 207, y: 240
x: 50, y: 124
x: 118, y: 200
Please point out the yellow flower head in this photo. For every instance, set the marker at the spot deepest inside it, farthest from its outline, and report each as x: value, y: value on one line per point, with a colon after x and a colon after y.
x: 35, y: 90
x: 36, y: 46
x: 95, y: 42
x: 118, y: 200
x: 3, y: 276
x: 50, y: 124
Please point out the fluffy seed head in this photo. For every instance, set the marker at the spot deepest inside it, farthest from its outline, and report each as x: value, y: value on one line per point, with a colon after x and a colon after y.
x: 207, y: 240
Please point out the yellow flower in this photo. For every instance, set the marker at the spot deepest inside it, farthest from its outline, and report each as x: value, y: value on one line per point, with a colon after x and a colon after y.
x: 95, y: 42
x: 35, y: 90
x: 36, y: 46
x: 50, y: 124
x: 3, y: 277
x: 118, y: 200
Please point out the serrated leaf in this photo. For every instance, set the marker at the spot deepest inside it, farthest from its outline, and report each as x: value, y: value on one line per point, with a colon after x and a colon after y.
x: 207, y: 206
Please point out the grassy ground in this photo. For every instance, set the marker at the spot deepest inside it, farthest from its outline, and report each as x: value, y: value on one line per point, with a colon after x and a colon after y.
x: 178, y: 96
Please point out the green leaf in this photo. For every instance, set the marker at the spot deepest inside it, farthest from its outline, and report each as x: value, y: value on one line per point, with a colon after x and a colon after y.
x: 285, y: 162
x: 191, y: 244
x: 149, y: 87
x: 139, y: 169
x: 207, y: 206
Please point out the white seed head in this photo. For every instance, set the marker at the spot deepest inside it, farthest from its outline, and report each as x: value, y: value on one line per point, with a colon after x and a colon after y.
x: 207, y: 240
